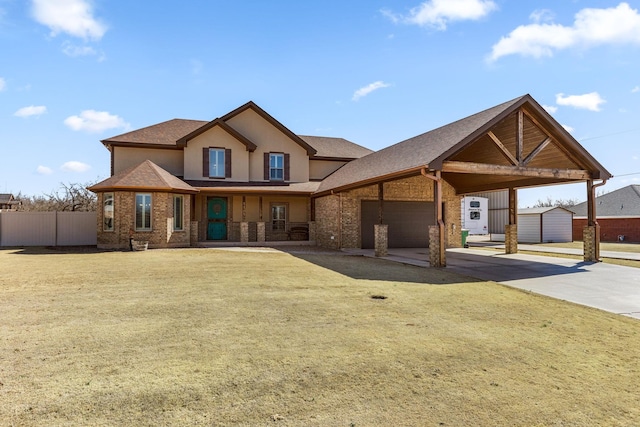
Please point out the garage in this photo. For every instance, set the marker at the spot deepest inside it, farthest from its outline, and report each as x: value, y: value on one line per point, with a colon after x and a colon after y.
x: 408, y: 222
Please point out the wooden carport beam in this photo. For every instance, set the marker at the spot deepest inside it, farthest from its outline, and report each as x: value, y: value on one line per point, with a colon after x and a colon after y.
x: 503, y: 149
x: 487, y: 169
x: 437, y: 199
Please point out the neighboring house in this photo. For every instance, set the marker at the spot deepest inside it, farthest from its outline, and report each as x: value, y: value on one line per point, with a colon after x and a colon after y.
x: 618, y: 214
x: 245, y: 177
x: 544, y: 225
x: 8, y: 202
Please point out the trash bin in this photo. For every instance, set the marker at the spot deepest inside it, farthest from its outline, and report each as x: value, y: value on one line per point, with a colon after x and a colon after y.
x: 465, y: 234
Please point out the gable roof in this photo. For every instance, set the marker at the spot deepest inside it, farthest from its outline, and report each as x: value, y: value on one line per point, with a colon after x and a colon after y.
x: 331, y: 148
x: 6, y: 197
x: 144, y: 176
x: 623, y: 202
x: 429, y: 150
x: 162, y: 135
x: 253, y: 106
x: 220, y: 123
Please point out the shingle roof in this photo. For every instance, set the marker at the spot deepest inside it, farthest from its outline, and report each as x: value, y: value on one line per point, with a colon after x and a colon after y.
x: 165, y: 133
x: 176, y: 132
x: 622, y: 202
x: 144, y: 176
x: 6, y: 197
x: 412, y: 153
x: 335, y: 147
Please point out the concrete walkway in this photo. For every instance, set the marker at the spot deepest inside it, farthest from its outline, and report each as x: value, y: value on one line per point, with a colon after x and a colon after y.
x: 537, y: 248
x: 607, y: 287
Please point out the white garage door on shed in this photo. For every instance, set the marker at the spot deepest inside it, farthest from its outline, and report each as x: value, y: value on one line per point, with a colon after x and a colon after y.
x: 545, y: 225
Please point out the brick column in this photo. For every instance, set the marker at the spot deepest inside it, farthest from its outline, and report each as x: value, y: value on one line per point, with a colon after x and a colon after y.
x: 260, y: 231
x: 511, y: 239
x: 194, y: 233
x: 591, y: 242
x: 434, y: 248
x: 244, y: 231
x: 312, y: 231
x: 381, y: 239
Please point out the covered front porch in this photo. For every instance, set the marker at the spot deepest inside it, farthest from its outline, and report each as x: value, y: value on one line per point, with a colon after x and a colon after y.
x: 221, y: 217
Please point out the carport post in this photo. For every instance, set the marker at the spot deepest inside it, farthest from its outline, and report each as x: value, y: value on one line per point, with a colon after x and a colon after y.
x: 591, y: 233
x: 511, y: 229
x: 437, y: 249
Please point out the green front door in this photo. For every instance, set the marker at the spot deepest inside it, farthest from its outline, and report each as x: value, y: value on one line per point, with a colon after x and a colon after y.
x: 217, y: 218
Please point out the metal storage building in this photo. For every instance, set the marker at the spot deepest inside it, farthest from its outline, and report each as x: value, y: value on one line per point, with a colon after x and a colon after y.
x: 545, y: 225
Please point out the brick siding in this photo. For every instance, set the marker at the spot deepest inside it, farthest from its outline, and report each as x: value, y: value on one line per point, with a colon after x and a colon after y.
x: 610, y: 229
x: 339, y: 215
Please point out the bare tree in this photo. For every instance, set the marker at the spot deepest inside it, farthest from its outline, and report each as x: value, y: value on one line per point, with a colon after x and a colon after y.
x: 72, y: 197
x: 562, y: 203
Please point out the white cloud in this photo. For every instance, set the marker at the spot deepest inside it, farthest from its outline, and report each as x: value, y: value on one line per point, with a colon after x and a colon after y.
x: 438, y: 13
x: 550, y: 108
x: 592, y: 27
x: 44, y: 170
x: 95, y: 121
x: 364, y: 91
x: 541, y: 15
x: 74, y: 50
x: 588, y: 101
x: 74, y: 166
x: 635, y: 89
x: 3, y: 84
x: 74, y: 17
x: 568, y: 128
x: 31, y: 110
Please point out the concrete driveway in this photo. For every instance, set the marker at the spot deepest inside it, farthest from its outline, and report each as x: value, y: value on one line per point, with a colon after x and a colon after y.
x: 608, y: 287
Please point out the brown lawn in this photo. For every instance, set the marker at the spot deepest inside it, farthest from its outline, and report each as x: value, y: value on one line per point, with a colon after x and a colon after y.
x: 213, y: 337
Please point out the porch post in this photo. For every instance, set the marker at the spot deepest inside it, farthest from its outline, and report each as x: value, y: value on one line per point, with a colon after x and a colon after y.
x: 437, y: 249
x: 511, y: 229
x: 381, y: 239
x: 591, y: 232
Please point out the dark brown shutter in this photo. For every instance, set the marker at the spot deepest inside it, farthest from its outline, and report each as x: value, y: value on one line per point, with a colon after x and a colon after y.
x: 287, y: 174
x: 266, y: 166
x: 205, y: 162
x: 227, y: 163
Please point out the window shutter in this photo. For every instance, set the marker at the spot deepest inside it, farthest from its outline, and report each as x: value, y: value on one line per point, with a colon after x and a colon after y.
x: 287, y: 175
x: 227, y: 163
x: 205, y: 162
x: 266, y: 166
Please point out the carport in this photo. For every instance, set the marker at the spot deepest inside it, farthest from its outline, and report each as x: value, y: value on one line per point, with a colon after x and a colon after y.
x: 514, y: 145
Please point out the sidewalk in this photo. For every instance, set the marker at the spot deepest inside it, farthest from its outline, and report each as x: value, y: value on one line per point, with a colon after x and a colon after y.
x: 538, y: 248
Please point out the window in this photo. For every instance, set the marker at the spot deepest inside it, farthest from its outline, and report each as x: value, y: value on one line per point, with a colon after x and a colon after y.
x: 279, y: 217
x: 216, y: 163
x: 276, y: 166
x: 474, y: 204
x: 474, y: 215
x: 107, y: 212
x: 143, y: 212
x: 178, y: 212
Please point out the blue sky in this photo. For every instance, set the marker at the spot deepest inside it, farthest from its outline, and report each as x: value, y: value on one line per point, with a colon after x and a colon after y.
x: 73, y: 72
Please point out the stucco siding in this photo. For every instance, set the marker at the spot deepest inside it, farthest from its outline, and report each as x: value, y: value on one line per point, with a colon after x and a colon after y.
x: 269, y: 139
x: 218, y: 138
x: 169, y: 160
x: 320, y: 169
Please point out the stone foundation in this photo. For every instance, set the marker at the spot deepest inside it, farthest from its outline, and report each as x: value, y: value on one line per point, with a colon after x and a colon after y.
x: 260, y: 232
x: 244, y: 232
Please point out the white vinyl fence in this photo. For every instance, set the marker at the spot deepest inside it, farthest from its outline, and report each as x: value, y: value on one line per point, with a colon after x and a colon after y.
x: 48, y: 228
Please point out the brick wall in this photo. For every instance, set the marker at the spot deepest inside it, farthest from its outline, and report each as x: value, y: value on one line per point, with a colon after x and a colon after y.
x: 610, y: 229
x: 339, y: 215
x: 161, y: 234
